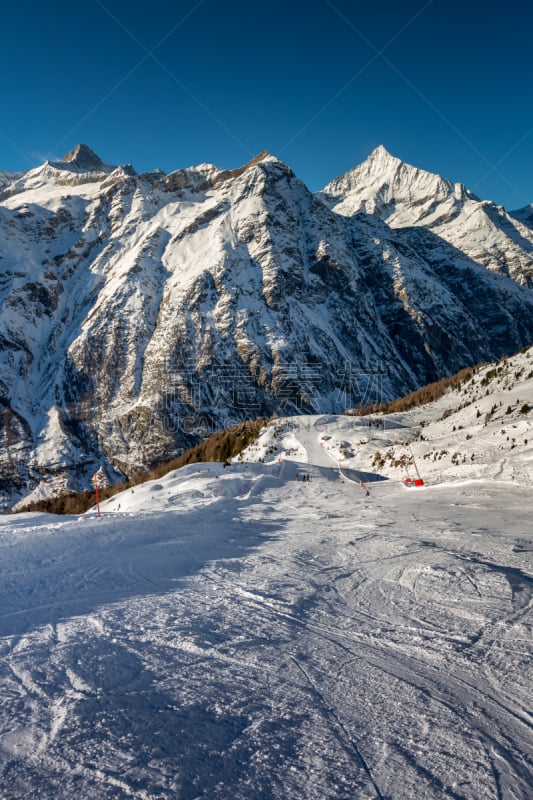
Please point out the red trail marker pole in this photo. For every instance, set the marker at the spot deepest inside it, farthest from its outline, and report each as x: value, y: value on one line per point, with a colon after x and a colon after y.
x: 95, y: 481
x: 418, y: 480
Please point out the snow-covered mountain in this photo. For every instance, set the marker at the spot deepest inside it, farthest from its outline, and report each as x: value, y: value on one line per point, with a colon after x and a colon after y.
x: 138, y: 312
x: 406, y: 197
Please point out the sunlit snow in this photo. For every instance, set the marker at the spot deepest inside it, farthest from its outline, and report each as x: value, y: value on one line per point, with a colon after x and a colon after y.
x: 232, y: 632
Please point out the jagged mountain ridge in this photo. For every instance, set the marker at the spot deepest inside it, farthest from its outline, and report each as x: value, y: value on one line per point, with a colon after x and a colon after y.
x: 406, y: 198
x: 139, y: 311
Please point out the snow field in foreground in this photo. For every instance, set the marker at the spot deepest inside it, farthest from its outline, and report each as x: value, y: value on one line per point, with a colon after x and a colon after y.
x: 233, y: 633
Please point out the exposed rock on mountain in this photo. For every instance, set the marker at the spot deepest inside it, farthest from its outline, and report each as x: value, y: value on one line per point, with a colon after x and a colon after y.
x: 84, y: 159
x: 139, y: 312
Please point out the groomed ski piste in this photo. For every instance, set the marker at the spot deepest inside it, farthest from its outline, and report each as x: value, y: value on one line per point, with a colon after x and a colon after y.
x: 235, y: 633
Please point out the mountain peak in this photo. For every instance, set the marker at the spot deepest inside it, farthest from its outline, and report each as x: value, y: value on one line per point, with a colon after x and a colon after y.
x: 379, y: 163
x: 85, y: 159
x: 380, y: 153
x: 264, y: 155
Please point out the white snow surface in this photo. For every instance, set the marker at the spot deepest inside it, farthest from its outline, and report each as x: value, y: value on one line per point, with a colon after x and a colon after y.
x: 231, y: 632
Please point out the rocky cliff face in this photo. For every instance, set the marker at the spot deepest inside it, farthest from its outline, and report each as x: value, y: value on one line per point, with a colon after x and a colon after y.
x: 139, y: 312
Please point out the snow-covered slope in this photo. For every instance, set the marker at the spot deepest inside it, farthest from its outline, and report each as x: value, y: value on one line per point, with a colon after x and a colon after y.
x: 524, y: 215
x: 407, y: 197
x: 481, y: 430
x: 230, y: 632
x: 139, y: 312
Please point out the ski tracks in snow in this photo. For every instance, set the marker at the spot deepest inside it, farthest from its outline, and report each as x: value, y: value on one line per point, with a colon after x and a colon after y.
x: 297, y: 643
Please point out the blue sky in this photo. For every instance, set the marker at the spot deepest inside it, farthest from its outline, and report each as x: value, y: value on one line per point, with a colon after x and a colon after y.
x: 444, y: 85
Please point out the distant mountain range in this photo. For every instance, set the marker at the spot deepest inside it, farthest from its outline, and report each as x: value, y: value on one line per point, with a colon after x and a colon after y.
x: 138, y: 312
